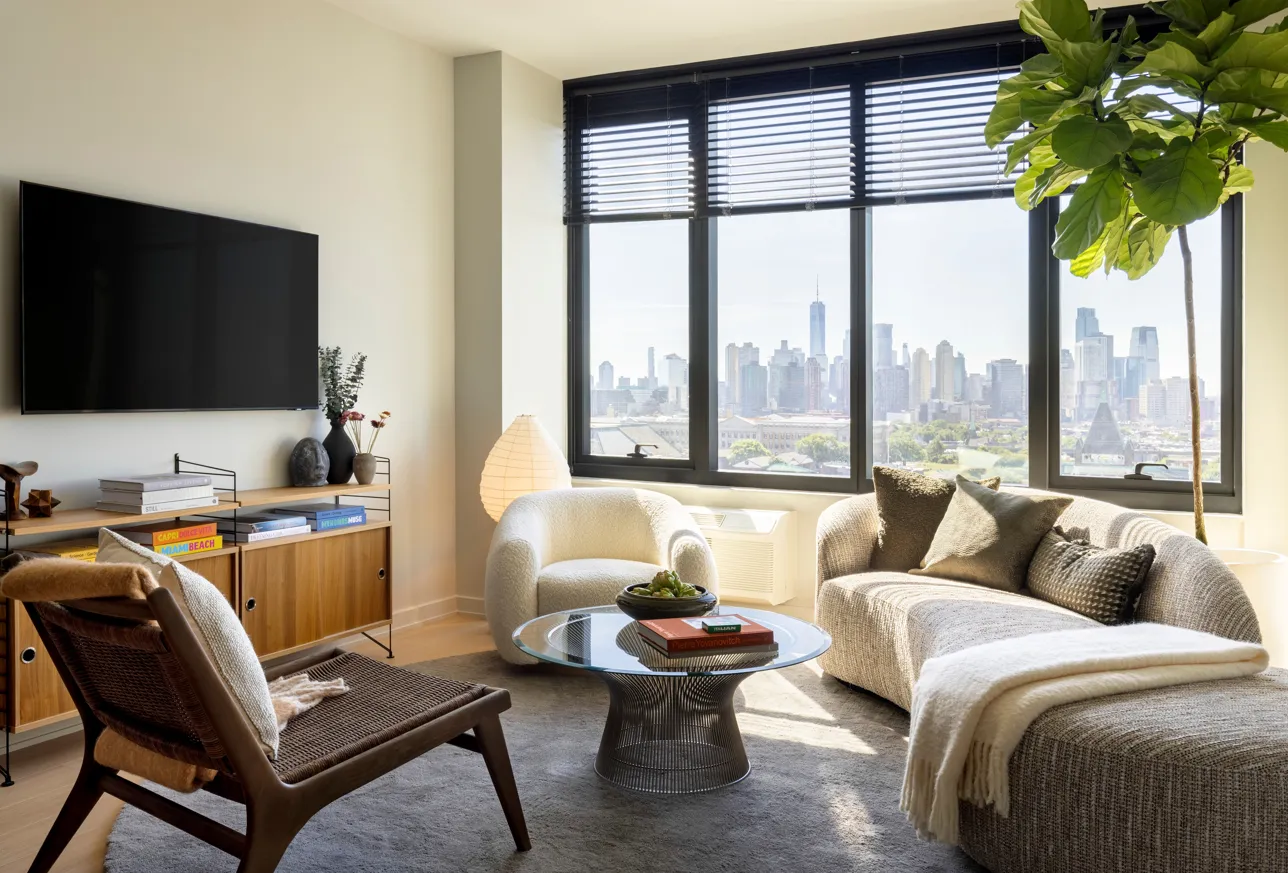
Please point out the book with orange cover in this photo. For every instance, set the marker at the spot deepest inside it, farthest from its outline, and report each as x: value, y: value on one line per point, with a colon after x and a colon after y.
x: 687, y: 635
x: 164, y: 533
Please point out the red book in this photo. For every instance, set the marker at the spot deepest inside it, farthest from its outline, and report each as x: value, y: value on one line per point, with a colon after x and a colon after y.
x: 687, y: 635
x: 166, y: 532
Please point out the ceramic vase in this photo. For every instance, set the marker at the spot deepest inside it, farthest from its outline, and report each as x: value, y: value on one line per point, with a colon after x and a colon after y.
x: 340, y: 450
x: 364, y: 467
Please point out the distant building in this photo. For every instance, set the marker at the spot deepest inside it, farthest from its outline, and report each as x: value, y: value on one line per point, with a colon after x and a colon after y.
x: 791, y: 387
x: 1006, y: 388
x: 920, y: 378
x: 839, y: 382
x: 817, y: 326
x: 1144, y: 344
x: 1086, y: 325
x: 752, y: 389
x: 959, y: 376
x: 814, y: 393
x: 1068, y: 386
x: 677, y: 382
x: 737, y: 357
x: 882, y: 346
x: 652, y: 374
x: 778, y: 361
x: 605, y: 382
x: 889, y: 392
x: 945, y: 370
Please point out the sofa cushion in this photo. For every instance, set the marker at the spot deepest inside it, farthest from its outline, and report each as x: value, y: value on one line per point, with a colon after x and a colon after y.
x: 885, y: 625
x: 910, y: 507
x: 1103, y: 584
x: 588, y: 582
x: 988, y: 537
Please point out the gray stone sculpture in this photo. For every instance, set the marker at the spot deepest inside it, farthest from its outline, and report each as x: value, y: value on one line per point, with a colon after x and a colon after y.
x: 309, y: 464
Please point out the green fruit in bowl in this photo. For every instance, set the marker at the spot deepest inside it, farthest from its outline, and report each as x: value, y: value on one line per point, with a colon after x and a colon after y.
x: 666, y: 584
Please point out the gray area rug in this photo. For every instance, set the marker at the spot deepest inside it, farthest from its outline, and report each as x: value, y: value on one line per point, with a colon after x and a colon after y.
x: 823, y: 795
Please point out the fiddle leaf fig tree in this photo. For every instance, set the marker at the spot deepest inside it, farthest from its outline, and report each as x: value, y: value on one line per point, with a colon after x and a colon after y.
x: 1151, y: 132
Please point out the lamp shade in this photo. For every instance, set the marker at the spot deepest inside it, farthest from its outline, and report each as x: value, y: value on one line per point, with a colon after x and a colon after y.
x: 525, y: 459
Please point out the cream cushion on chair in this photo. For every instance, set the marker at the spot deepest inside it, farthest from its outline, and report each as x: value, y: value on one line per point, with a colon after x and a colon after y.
x: 217, y: 626
x: 578, y: 547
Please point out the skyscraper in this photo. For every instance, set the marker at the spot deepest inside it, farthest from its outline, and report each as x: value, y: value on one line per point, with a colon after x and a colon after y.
x: 737, y: 357
x: 959, y: 376
x: 652, y: 374
x: 677, y: 381
x: 791, y: 387
x: 605, y: 377
x: 817, y: 325
x: 1068, y: 385
x: 889, y: 391
x: 840, y: 383
x: 1086, y: 325
x: 882, y: 346
x: 752, y: 385
x: 1006, y: 384
x: 945, y: 369
x: 1144, y: 344
x: 813, y: 384
x: 905, y: 360
x: 920, y: 377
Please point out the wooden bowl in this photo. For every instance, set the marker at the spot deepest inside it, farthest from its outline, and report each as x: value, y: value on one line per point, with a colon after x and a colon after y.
x: 640, y: 606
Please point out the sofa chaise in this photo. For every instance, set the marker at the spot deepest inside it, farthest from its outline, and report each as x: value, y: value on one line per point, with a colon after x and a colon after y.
x: 1187, y: 778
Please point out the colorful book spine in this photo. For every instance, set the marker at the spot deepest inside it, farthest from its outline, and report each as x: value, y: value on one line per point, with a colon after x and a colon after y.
x: 268, y: 534
x: 339, y: 521
x: 191, y: 547
x: 179, y: 534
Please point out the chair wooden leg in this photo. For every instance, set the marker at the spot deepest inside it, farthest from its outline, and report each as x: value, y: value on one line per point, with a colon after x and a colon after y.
x: 84, y: 795
x: 267, y: 839
x: 492, y: 744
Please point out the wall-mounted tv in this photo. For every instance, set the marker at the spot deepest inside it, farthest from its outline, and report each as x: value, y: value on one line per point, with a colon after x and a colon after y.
x: 135, y: 308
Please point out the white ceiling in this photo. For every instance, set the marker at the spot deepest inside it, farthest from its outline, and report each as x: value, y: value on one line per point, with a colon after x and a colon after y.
x: 572, y: 38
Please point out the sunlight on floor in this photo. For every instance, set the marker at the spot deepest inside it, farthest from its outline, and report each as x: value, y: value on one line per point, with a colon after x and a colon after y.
x: 806, y: 733
x: 773, y: 692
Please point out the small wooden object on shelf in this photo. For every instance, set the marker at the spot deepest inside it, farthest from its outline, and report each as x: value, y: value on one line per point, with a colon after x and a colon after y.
x: 40, y: 503
x: 13, y: 474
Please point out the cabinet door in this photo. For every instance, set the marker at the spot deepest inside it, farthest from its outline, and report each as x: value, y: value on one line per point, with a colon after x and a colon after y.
x: 354, y: 582
x: 220, y: 571
x: 279, y: 596
x: 37, y: 691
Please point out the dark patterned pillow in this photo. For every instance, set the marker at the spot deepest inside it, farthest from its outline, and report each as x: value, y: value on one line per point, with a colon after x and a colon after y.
x: 1103, y: 584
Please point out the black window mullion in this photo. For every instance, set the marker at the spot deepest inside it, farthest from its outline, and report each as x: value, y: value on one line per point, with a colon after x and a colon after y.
x: 1232, y: 346
x: 703, y: 392
x: 860, y: 357
x: 578, y: 342
x: 1044, y: 349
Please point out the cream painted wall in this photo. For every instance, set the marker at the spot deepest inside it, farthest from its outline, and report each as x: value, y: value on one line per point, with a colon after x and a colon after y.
x: 510, y: 286
x: 288, y: 112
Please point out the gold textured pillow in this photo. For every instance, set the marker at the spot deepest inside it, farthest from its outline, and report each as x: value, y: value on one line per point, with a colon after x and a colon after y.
x: 910, y: 507
x: 989, y: 537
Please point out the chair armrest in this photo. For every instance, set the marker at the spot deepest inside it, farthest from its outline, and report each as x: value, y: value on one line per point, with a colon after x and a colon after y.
x: 847, y: 534
x: 682, y: 547
x: 514, y: 561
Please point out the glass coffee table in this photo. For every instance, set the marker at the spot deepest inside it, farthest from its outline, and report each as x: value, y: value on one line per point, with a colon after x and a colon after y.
x: 671, y: 727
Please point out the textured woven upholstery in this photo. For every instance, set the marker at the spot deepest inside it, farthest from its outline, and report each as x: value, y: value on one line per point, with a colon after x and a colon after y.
x: 1187, y: 778
x: 603, y: 530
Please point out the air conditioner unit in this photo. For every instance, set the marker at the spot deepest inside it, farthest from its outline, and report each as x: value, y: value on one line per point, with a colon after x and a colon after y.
x: 755, y: 551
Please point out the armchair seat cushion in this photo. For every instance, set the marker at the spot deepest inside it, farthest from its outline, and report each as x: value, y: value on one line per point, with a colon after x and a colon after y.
x: 588, y: 582
x: 382, y: 703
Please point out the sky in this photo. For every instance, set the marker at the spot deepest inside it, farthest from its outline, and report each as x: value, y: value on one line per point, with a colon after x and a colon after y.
x: 955, y: 271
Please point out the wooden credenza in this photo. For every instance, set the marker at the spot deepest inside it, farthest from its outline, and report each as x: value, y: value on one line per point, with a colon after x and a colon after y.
x: 290, y: 593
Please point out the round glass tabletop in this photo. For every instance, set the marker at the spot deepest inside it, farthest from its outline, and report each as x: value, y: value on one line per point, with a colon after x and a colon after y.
x: 606, y: 640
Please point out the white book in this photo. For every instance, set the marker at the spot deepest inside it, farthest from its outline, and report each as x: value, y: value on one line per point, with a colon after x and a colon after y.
x: 168, y: 506
x: 157, y: 482
x: 265, y: 534
x: 138, y: 498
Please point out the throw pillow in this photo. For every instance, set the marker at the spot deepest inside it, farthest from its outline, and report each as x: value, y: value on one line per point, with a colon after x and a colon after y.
x: 910, y: 507
x: 216, y: 627
x: 1103, y: 584
x: 989, y: 537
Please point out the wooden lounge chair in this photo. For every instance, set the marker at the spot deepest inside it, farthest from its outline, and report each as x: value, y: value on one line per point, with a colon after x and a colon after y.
x: 155, y: 685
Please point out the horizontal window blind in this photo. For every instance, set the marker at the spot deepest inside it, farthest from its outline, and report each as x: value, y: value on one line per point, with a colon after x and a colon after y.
x: 924, y: 137
x: 634, y: 154
x: 781, y: 149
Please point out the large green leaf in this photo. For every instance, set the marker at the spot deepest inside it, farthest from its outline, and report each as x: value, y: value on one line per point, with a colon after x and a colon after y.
x: 1056, y: 19
x: 1116, y: 235
x: 1003, y: 120
x: 1273, y: 132
x: 1083, y: 141
x: 1192, y: 14
x: 1175, y: 61
x: 1047, y: 176
x: 1248, y: 12
x: 1217, y: 32
x: 1038, y: 106
x: 1181, y: 186
x: 1264, y: 51
x: 1085, y: 63
x: 1238, y: 181
x: 1259, y: 88
x: 1146, y: 241
x: 1086, y: 263
x: 1043, y: 65
x: 1144, y: 105
x: 1167, y: 129
x: 1096, y: 202
x: 1019, y: 150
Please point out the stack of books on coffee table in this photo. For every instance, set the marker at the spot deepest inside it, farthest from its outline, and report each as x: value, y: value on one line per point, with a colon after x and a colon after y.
x: 707, y: 635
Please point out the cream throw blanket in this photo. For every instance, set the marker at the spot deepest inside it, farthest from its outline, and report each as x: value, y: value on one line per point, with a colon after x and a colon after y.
x: 971, y: 708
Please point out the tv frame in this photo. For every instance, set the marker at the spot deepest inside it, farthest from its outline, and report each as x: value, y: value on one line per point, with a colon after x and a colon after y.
x: 23, y: 185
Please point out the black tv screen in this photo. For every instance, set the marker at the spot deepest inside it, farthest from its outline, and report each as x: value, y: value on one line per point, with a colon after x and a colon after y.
x: 134, y: 308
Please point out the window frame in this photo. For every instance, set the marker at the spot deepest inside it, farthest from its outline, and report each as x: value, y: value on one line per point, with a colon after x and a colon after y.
x: 702, y: 466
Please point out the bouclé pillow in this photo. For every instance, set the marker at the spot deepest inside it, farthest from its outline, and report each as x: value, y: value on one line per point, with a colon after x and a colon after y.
x: 910, y: 507
x: 1103, y: 584
x: 989, y: 537
x: 217, y: 629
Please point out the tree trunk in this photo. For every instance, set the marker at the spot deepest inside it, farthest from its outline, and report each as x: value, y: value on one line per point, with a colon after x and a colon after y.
x: 1200, y: 528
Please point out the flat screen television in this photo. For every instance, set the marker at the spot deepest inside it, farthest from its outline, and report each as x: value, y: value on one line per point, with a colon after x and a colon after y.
x: 134, y: 308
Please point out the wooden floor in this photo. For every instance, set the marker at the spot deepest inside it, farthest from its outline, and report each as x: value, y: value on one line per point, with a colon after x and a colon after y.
x: 45, y: 772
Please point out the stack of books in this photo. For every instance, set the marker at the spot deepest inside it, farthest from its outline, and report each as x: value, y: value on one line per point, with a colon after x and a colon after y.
x: 83, y: 549
x: 165, y: 492
x: 269, y: 526
x: 175, y: 538
x: 327, y: 516
x: 708, y: 635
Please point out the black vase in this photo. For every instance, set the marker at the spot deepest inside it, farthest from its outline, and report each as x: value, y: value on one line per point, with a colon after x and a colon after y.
x: 341, y: 451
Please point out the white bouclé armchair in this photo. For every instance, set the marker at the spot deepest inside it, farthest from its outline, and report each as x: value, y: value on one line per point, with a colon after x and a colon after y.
x: 579, y: 547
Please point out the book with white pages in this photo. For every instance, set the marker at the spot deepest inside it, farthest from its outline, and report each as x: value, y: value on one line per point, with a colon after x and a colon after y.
x: 238, y: 537
x: 138, y: 498
x: 155, y: 482
x: 167, y: 506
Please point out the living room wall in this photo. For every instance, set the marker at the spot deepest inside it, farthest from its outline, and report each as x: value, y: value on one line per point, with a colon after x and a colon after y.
x: 287, y: 112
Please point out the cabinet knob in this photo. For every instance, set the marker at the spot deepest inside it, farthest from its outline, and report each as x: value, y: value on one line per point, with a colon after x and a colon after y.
x: 380, y: 574
x: 28, y: 655
x: 250, y: 604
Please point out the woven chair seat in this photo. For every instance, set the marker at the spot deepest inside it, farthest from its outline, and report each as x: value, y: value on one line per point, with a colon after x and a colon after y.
x: 382, y: 703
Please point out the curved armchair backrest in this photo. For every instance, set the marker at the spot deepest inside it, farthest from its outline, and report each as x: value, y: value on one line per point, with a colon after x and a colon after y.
x: 573, y: 523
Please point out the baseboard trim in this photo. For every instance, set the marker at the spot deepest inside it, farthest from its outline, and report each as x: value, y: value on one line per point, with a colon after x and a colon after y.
x: 423, y: 612
x: 469, y: 605
x: 36, y: 736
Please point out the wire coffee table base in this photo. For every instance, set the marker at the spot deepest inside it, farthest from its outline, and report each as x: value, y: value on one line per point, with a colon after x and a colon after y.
x: 671, y: 734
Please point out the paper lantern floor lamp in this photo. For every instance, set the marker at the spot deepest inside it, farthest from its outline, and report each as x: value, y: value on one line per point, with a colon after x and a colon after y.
x: 525, y: 459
